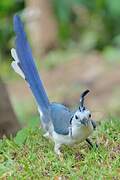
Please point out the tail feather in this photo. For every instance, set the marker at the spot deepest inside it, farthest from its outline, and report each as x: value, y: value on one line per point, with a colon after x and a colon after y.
x: 15, y: 64
x: 24, y: 66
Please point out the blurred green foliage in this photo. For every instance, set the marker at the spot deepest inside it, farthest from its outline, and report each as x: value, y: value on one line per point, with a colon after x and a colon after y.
x: 92, y: 24
x: 86, y: 24
x: 7, y: 10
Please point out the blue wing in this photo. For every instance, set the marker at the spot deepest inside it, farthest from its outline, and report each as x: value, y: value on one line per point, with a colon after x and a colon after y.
x: 60, y: 116
x: 27, y: 66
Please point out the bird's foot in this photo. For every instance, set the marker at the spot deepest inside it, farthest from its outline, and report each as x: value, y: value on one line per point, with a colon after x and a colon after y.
x: 46, y: 135
x: 91, y: 144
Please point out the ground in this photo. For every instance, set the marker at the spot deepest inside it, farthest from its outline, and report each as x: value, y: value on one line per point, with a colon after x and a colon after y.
x: 30, y: 156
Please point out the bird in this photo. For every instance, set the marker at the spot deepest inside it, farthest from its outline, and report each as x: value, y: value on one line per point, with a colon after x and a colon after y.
x: 61, y: 124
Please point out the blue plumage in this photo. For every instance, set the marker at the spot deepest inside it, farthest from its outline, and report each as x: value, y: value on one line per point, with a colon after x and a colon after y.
x: 61, y: 124
x: 28, y: 67
x: 58, y: 114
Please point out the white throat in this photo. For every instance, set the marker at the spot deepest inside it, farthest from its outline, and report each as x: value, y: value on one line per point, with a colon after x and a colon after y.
x: 81, y: 132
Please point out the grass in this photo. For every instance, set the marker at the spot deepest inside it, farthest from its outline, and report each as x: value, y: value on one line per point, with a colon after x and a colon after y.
x: 30, y: 156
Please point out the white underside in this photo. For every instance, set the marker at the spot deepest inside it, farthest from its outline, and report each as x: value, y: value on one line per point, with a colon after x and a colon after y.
x: 79, y: 134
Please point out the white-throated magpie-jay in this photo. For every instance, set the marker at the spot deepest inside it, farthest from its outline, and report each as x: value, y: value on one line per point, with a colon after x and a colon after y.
x: 61, y: 124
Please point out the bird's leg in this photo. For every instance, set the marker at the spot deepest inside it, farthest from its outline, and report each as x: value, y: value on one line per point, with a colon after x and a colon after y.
x: 90, y: 143
x: 57, y: 149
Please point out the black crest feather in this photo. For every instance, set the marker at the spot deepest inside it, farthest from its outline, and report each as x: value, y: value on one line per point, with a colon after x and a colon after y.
x: 82, y: 97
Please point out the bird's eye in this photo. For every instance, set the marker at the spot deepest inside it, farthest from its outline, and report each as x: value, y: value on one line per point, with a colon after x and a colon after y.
x: 76, y: 117
x: 83, y: 108
x: 89, y: 115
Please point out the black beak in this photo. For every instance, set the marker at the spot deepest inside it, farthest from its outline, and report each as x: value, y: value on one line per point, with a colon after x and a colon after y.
x: 84, y: 121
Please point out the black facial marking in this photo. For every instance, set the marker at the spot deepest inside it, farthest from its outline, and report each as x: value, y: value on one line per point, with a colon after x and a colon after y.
x: 71, y: 120
x: 83, y: 109
x: 76, y: 117
x: 93, y: 123
x: 89, y: 115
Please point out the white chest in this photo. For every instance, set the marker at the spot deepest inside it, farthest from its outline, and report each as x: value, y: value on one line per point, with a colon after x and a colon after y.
x: 78, y: 135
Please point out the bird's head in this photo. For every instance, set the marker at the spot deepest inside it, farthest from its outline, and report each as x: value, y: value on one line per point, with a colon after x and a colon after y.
x: 82, y: 116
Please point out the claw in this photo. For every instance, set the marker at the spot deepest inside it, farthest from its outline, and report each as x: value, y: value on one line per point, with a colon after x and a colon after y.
x: 46, y: 135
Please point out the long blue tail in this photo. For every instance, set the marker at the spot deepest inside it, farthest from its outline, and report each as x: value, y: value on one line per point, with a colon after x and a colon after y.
x: 27, y: 66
